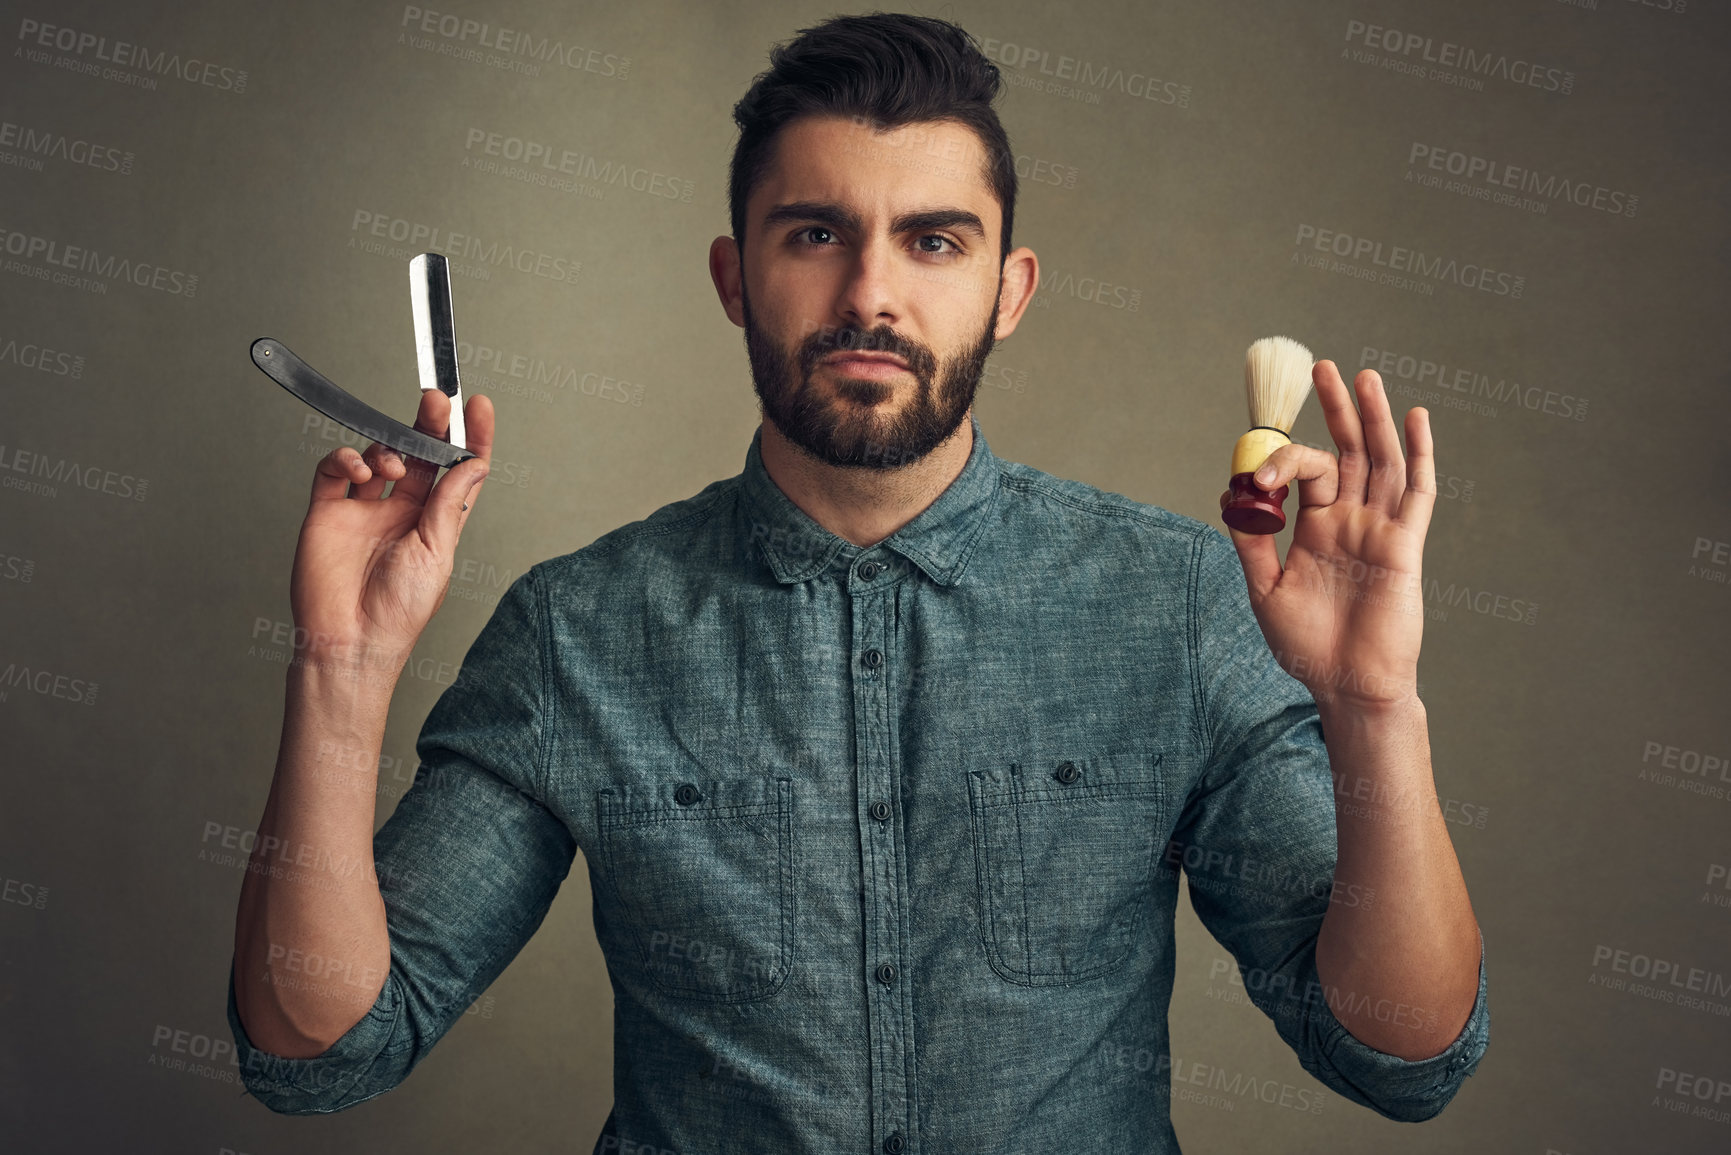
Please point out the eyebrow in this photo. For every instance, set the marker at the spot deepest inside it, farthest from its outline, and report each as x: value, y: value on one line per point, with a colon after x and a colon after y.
x: 841, y: 217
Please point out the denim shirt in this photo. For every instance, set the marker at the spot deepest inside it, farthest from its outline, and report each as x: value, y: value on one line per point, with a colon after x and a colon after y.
x: 884, y: 843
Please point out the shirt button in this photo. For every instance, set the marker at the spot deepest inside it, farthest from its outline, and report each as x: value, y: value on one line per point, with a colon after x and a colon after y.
x: 869, y: 570
x: 874, y: 659
x: 1067, y: 773
x: 894, y: 1143
x: 886, y: 973
x: 880, y: 810
x: 686, y: 794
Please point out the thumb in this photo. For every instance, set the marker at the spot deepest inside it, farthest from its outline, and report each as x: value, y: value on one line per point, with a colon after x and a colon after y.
x: 449, y: 505
x: 1261, y: 560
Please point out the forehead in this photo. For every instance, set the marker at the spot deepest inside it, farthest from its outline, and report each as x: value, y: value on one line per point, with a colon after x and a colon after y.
x: 843, y: 160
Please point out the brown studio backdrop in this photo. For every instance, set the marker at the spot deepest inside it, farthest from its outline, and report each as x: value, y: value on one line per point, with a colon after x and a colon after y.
x: 1181, y: 163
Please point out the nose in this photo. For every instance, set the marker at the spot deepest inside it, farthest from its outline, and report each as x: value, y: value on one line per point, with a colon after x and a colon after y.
x: 870, y: 295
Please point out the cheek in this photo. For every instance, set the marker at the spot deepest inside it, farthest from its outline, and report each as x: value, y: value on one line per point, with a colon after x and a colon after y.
x: 792, y: 303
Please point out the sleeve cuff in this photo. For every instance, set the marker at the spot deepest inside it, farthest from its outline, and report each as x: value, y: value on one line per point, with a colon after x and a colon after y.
x: 1406, y: 1090
x: 345, y: 1074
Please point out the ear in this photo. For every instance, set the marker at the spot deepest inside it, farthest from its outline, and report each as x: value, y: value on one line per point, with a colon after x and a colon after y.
x: 1021, y: 276
x: 724, y: 270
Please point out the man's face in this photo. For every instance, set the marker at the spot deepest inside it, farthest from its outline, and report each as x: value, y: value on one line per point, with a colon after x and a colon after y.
x: 873, y: 244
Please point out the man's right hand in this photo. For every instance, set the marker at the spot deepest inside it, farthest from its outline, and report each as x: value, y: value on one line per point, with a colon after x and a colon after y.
x: 371, y: 570
x: 369, y: 573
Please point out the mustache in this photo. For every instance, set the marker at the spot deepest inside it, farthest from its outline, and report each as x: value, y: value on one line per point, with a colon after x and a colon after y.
x: 853, y: 339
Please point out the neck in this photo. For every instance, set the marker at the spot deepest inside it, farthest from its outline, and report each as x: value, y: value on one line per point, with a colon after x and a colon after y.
x: 863, y: 505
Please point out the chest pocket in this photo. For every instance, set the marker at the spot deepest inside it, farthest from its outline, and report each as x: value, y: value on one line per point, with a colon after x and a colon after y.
x: 703, y: 874
x: 1065, y: 853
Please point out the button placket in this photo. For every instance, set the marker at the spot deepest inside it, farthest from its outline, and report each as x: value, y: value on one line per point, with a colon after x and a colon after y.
x: 882, y: 871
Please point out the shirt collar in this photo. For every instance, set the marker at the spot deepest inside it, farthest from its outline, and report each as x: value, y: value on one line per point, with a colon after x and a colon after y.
x: 940, y: 539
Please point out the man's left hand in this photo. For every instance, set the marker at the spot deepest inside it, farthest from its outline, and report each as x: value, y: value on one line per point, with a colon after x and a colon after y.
x: 1346, y: 614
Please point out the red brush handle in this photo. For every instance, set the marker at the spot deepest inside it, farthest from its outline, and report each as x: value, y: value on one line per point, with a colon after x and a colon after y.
x: 1249, y: 509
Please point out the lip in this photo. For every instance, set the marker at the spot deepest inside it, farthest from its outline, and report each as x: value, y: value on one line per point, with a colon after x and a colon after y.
x: 886, y: 360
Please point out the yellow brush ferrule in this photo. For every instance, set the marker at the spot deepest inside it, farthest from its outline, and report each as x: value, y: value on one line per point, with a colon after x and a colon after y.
x: 1254, y: 447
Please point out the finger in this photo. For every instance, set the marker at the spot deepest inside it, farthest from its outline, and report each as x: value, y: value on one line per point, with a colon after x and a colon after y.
x: 1420, y: 496
x: 477, y: 439
x: 1314, y: 469
x: 1387, y: 465
x: 432, y: 417
x: 1260, y: 558
x: 1344, y: 427
x: 450, y: 504
x: 336, y: 470
x: 386, y: 464
x: 452, y: 501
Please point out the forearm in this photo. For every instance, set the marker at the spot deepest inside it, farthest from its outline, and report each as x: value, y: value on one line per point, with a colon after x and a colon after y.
x: 1398, y: 954
x: 311, y: 946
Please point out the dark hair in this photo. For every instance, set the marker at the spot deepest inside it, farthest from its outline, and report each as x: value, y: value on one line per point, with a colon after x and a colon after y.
x: 886, y: 67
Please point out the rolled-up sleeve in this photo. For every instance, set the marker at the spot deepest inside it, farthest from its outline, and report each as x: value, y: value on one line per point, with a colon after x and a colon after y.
x: 468, y: 865
x: 1257, y: 842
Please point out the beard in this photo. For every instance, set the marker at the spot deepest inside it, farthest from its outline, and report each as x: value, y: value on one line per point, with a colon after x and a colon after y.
x: 852, y: 429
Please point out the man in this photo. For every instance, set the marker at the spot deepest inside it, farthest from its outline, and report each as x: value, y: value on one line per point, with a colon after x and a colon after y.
x: 885, y: 754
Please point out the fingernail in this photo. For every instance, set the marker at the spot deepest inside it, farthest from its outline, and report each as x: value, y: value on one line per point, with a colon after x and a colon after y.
x: 1266, y: 473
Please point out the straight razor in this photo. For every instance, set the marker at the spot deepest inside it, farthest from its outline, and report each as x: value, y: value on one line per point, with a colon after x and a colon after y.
x: 436, y: 334
x: 343, y: 407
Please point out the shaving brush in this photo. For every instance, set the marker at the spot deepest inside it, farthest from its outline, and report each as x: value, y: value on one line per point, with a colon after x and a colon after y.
x: 1276, y: 382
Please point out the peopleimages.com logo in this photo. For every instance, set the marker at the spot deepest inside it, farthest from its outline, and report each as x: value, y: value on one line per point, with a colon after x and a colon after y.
x: 93, y: 54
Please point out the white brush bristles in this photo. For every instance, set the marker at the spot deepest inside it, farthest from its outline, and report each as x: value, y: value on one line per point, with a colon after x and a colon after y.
x: 1276, y: 381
